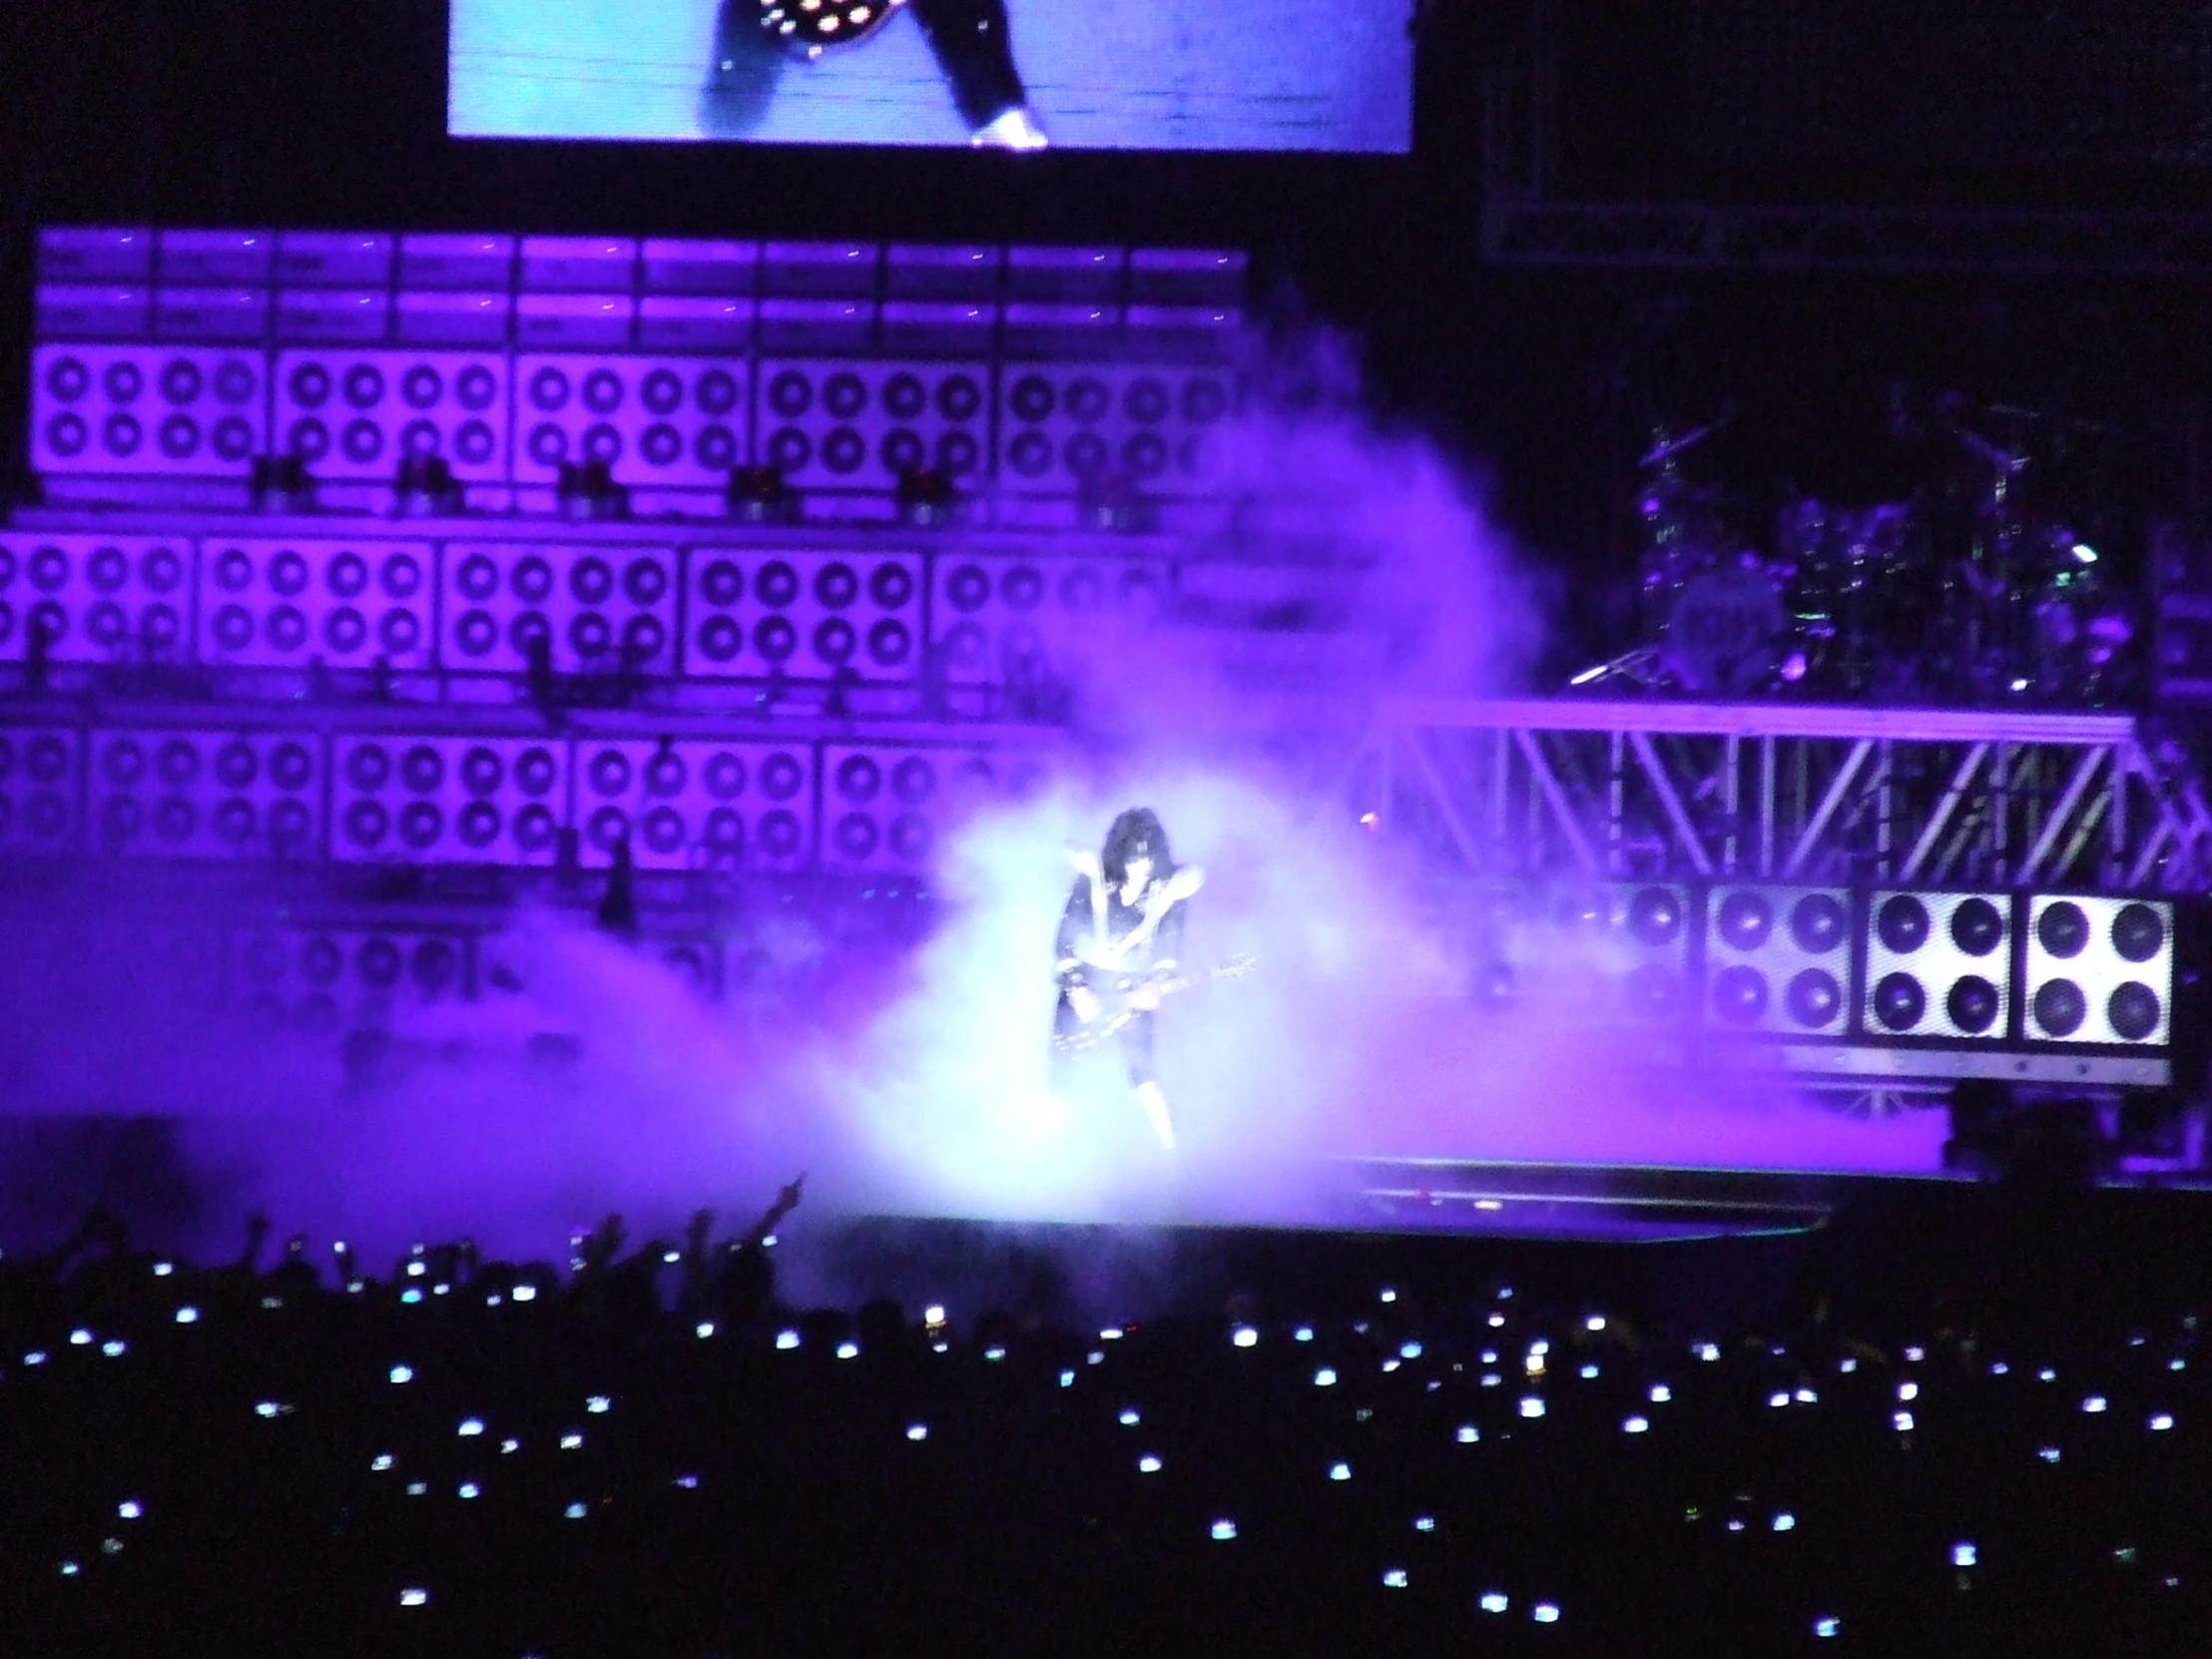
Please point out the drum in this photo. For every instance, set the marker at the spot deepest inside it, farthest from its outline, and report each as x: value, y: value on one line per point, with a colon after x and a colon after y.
x: 1725, y: 633
x: 2082, y: 632
x: 1681, y: 528
x: 1845, y: 555
x: 1855, y: 591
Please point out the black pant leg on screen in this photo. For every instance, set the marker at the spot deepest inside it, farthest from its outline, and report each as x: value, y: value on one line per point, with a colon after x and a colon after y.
x: 742, y: 74
x: 975, y: 49
x: 1136, y: 1048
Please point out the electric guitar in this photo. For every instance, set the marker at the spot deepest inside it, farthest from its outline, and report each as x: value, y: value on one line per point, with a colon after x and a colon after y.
x: 808, y: 26
x: 1117, y: 1007
x: 1099, y: 952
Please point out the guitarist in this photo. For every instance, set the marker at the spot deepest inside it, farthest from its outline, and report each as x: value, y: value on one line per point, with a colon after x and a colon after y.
x: 1121, y: 933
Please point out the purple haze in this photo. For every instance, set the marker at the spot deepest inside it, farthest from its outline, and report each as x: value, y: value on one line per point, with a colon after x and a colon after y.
x: 917, y: 1082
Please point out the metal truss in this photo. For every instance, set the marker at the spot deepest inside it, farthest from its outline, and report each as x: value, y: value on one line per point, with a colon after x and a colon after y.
x: 1923, y: 798
x: 1521, y: 229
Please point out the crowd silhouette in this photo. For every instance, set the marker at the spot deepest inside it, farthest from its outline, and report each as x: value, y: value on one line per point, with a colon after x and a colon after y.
x: 643, y: 1452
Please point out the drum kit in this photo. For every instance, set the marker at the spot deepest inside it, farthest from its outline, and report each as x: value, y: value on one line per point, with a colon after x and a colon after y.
x: 1980, y: 589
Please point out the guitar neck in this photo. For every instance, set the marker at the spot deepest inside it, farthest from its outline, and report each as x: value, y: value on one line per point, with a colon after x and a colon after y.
x: 1191, y: 982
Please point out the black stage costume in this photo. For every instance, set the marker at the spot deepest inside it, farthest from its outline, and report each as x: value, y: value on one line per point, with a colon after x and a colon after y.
x: 1135, y: 833
x: 971, y: 40
x: 975, y: 49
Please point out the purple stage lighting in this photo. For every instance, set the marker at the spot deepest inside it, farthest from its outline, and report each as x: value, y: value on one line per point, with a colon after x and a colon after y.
x: 357, y: 415
x: 1015, y: 621
x: 602, y: 607
x: 206, y: 794
x: 694, y: 804
x: 329, y: 979
x: 146, y: 408
x: 886, y: 808
x: 833, y: 425
x: 1777, y: 960
x: 448, y: 800
x: 1939, y: 964
x: 2098, y: 970
x: 1064, y: 425
x: 40, y: 781
x: 285, y: 602
x: 809, y: 616
x: 97, y: 598
x: 674, y: 422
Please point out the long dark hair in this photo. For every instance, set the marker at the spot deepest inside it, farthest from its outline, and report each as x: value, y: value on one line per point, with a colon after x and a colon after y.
x: 1136, y: 833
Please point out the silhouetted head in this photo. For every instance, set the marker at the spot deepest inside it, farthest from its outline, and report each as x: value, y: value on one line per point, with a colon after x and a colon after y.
x: 1136, y: 839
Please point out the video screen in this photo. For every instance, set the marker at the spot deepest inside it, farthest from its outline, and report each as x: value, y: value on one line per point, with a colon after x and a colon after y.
x: 1294, y: 75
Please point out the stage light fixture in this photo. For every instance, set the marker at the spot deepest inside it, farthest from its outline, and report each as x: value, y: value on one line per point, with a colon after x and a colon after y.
x: 588, y: 494
x: 359, y: 414
x: 925, y: 498
x: 1777, y: 960
x: 1939, y: 964
x: 1112, y: 502
x: 280, y: 484
x: 424, y: 487
x: 206, y: 794
x: 694, y: 804
x: 2099, y: 969
x: 279, y: 602
x: 423, y: 798
x: 856, y: 424
x: 145, y: 409
x: 95, y: 598
x: 651, y: 422
x: 758, y: 495
x: 602, y: 606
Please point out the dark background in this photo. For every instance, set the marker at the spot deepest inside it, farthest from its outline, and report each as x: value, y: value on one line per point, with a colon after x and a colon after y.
x: 1548, y: 382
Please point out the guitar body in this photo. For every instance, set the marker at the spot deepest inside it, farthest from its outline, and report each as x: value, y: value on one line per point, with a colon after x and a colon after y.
x: 809, y: 27
x: 1116, y: 1006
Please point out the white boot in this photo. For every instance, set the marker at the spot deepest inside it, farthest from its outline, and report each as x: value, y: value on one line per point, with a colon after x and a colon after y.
x: 1155, y: 1105
x: 1017, y: 129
